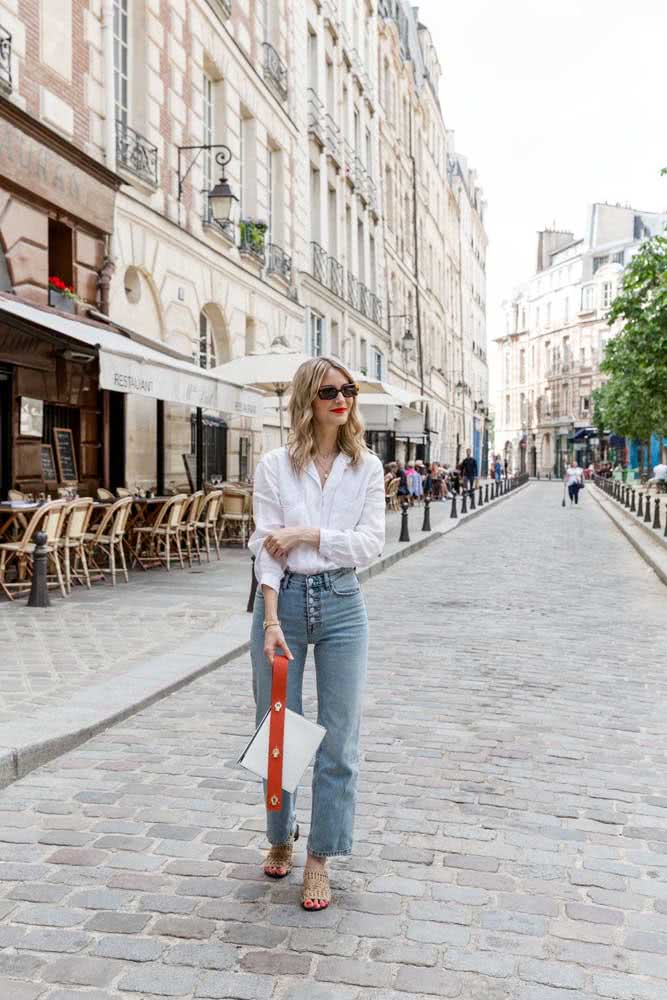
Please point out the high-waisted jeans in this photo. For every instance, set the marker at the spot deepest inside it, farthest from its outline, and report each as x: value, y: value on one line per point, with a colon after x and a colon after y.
x: 329, y: 612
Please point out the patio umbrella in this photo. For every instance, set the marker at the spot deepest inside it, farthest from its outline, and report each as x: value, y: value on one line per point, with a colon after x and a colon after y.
x: 274, y: 372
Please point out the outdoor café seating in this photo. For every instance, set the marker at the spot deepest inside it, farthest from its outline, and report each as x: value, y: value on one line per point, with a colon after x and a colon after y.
x: 18, y: 555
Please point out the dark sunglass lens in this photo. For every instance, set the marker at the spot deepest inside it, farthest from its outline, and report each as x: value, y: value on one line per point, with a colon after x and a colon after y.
x: 328, y: 392
x: 349, y: 390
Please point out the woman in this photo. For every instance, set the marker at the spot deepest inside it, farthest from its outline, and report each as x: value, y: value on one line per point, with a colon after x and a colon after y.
x: 319, y: 507
x: 574, y: 481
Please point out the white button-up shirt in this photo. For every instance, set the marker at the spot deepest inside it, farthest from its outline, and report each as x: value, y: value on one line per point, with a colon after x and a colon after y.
x: 349, y: 511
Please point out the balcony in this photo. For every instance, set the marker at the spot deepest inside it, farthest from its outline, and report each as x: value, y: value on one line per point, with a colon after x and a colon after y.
x: 360, y: 177
x: 223, y: 8
x: 5, y: 61
x: 376, y: 309
x: 320, y: 259
x: 275, y: 72
x: 135, y: 153
x: 364, y: 297
x: 252, y: 239
x: 352, y: 290
x: 277, y: 262
x: 335, y: 283
x: 316, y: 123
x: 332, y: 140
x: 349, y: 155
x: 372, y: 196
x: 331, y: 16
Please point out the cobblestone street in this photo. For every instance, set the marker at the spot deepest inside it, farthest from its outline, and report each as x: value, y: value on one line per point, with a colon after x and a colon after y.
x: 512, y: 823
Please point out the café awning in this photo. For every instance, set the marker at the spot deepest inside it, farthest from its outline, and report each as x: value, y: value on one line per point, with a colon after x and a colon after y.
x: 130, y: 366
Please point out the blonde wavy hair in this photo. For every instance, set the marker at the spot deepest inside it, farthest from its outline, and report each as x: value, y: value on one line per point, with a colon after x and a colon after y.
x: 301, y: 443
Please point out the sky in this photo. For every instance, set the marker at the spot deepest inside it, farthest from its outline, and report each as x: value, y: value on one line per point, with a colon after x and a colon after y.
x: 557, y: 105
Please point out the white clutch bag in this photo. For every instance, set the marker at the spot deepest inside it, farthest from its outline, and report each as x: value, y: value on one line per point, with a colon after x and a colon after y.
x: 284, y: 743
x: 301, y: 741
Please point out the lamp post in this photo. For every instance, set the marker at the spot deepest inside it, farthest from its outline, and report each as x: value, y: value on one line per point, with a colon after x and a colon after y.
x: 221, y: 198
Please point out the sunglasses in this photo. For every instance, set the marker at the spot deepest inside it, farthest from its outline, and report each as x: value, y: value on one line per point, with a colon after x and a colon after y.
x: 349, y: 390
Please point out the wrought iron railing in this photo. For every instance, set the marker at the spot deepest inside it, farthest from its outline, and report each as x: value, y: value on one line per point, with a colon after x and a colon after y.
x: 372, y: 195
x: 349, y: 155
x: 364, y: 300
x: 332, y: 138
x: 135, y: 153
x: 316, y: 125
x: 360, y: 177
x: 335, y: 274
x: 319, y: 263
x: 5, y: 60
x: 278, y: 262
x: 275, y: 71
x: 252, y: 239
x: 331, y: 15
x: 376, y: 309
x: 352, y: 290
x: 223, y: 8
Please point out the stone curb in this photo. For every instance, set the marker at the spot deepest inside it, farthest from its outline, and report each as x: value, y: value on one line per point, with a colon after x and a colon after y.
x: 644, y: 539
x: 27, y: 744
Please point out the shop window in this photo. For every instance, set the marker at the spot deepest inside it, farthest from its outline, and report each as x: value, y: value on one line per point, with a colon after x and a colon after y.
x: 215, y: 447
x: 60, y: 251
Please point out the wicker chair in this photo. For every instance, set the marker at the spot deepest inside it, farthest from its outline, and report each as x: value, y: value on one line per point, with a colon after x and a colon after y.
x: 121, y: 492
x: 187, y: 528
x: 207, y: 523
x: 104, y: 496
x: 391, y: 495
x: 73, y: 541
x: 108, y: 539
x: 47, y: 518
x: 160, y: 535
x: 236, y: 520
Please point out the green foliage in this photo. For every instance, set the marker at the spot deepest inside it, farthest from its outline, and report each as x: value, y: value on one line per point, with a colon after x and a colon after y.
x: 634, y: 400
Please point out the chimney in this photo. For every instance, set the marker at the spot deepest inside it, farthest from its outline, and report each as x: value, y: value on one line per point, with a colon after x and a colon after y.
x: 548, y: 242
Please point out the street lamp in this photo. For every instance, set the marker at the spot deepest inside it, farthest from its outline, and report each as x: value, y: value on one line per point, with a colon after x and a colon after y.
x: 221, y: 198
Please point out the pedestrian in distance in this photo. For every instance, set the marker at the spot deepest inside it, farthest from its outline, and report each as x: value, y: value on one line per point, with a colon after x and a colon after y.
x: 574, y: 481
x: 497, y: 470
x: 319, y: 509
x: 469, y: 471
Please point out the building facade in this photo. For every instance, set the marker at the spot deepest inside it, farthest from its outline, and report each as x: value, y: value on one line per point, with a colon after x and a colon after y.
x: 556, y: 331
x: 358, y: 229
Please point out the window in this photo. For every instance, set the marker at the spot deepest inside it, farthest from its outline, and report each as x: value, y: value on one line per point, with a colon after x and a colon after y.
x: 607, y: 294
x: 548, y: 319
x: 599, y: 262
x: 537, y: 317
x: 207, y: 140
x: 316, y: 334
x: 205, y: 353
x: 618, y: 257
x: 522, y: 366
x: 363, y: 357
x: 585, y: 404
x: 582, y: 356
x: 121, y: 60
x: 588, y: 298
x: 507, y: 367
x: 566, y: 310
x: 60, y: 252
x: 377, y: 371
x: 507, y: 411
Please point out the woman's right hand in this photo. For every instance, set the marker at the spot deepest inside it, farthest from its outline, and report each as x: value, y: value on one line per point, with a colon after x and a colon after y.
x: 274, y: 643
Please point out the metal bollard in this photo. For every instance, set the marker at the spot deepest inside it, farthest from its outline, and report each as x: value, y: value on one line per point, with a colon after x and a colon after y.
x: 472, y: 498
x: 656, y: 514
x: 405, y: 534
x: 632, y: 500
x: 464, y: 503
x: 665, y: 519
x: 480, y: 500
x: 39, y: 592
x: 538, y: 475
x: 647, y: 510
x: 626, y: 497
x: 486, y: 493
x: 253, y: 587
x: 640, y: 504
x: 453, y: 511
x: 426, y: 526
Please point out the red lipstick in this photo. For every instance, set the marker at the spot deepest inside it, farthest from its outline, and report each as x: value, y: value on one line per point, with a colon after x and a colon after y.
x: 340, y: 409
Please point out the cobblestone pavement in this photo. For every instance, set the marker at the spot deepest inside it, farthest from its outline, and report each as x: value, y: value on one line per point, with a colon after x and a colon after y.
x: 512, y: 827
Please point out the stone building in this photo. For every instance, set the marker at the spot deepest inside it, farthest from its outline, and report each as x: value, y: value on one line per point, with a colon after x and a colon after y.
x: 556, y: 331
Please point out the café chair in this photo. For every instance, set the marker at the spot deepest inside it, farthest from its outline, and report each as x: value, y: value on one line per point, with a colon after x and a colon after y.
x: 187, y: 528
x: 154, y: 541
x: 207, y: 524
x: 73, y: 540
x: 48, y: 518
x: 107, y: 540
x: 235, y: 524
x: 105, y: 496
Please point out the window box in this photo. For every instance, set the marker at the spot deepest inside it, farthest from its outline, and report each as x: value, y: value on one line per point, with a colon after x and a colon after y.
x: 66, y: 303
x: 252, y: 238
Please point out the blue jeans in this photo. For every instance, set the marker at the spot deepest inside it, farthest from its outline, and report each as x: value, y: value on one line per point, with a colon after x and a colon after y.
x: 328, y: 611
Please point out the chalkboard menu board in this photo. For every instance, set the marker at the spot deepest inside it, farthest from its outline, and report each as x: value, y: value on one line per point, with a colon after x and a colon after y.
x: 190, y: 463
x: 64, y: 442
x: 49, y: 473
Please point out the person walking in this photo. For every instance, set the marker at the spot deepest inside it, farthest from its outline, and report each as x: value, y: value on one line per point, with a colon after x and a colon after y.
x: 319, y: 509
x: 469, y: 471
x: 574, y: 481
x: 497, y: 470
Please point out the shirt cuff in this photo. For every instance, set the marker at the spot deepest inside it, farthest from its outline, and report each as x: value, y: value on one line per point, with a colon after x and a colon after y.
x: 271, y: 580
x: 327, y: 536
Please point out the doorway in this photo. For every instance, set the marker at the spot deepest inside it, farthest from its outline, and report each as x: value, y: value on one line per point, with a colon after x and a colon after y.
x: 5, y: 431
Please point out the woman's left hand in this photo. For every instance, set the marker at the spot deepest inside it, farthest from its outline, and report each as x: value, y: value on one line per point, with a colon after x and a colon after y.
x: 278, y: 543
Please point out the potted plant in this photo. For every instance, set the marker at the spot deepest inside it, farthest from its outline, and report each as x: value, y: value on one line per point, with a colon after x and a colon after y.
x: 62, y: 296
x: 252, y: 236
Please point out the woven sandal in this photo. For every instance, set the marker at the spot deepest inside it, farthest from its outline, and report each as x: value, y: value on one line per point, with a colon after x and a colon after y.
x: 280, y: 856
x: 316, y: 885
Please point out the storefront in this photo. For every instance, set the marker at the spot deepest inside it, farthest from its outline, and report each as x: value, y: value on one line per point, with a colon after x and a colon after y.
x: 63, y: 395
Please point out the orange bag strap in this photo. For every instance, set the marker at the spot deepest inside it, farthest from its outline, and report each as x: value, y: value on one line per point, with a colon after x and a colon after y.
x: 274, y: 783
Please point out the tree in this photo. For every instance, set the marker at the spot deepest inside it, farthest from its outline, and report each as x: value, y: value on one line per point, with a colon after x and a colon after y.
x: 634, y: 400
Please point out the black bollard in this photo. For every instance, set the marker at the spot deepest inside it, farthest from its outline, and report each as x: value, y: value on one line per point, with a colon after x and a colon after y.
x: 39, y: 592
x: 538, y: 475
x: 453, y: 511
x: 647, y: 510
x: 464, y: 503
x: 656, y: 514
x: 253, y: 587
x: 632, y: 499
x: 626, y: 497
x: 665, y: 519
x: 426, y: 526
x: 472, y: 498
x: 480, y: 500
x: 405, y: 534
x: 486, y: 493
x: 640, y: 504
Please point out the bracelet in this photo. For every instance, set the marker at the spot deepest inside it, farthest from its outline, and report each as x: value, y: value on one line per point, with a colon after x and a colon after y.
x: 271, y: 623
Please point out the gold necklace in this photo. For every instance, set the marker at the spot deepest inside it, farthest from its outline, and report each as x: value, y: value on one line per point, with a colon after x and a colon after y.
x: 323, y: 469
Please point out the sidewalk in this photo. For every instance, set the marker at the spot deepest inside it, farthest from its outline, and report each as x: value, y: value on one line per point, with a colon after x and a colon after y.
x: 75, y: 668
x: 649, y: 542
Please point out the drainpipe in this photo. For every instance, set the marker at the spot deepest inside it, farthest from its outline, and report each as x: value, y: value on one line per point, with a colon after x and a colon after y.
x: 109, y: 89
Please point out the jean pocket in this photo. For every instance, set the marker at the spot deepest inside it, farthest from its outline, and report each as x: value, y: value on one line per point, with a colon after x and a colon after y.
x: 346, y: 585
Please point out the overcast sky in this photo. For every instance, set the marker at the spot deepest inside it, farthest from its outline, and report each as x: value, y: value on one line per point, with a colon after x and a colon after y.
x: 557, y: 105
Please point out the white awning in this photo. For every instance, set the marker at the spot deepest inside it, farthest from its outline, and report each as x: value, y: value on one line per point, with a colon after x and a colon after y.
x: 130, y: 367
x: 411, y: 422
